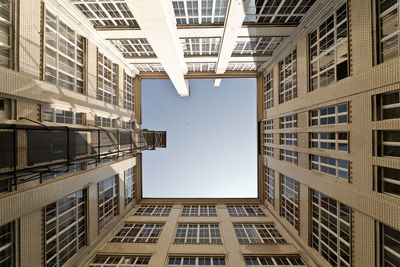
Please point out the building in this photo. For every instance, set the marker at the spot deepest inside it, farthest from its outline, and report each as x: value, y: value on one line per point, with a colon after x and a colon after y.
x: 328, y: 81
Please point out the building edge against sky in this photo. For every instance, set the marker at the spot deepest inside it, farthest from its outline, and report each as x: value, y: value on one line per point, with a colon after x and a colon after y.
x: 328, y: 166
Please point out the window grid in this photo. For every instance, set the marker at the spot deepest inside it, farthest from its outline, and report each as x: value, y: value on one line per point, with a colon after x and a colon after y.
x: 257, y: 45
x: 389, y: 244
x: 268, y: 91
x: 270, y: 185
x: 289, y: 121
x: 289, y: 156
x: 388, y: 13
x: 108, y: 200
x: 337, y: 141
x: 289, y: 139
x: 198, y: 12
x: 198, y: 233
x: 7, y: 31
x: 8, y: 244
x: 290, y: 197
x: 200, y: 46
x: 329, y: 50
x: 277, y: 12
x: 331, y: 229
x: 149, y: 67
x: 268, y: 138
x: 288, y: 77
x: 197, y: 210
x: 153, y: 210
x: 65, y: 228
x: 388, y: 106
x: 388, y: 181
x: 105, y: 122
x: 133, y: 47
x: 138, y: 233
x: 388, y: 143
x: 54, y: 115
x: 119, y: 261
x: 245, y: 210
x: 281, y: 260
x: 243, y: 66
x: 258, y: 233
x: 269, y: 151
x: 106, y: 14
x: 196, y: 261
x: 129, y: 93
x: 107, y: 79
x: 331, y: 166
x: 129, y: 185
x: 201, y: 66
x: 64, y: 51
x: 335, y: 114
x: 269, y: 125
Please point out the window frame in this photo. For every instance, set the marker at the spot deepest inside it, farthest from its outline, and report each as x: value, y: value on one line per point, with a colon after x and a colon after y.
x: 315, y: 143
x: 336, y: 115
x: 142, y: 260
x: 268, y: 90
x: 190, y: 233
x: 269, y: 183
x: 274, y: 236
x: 287, y: 76
x: 102, y: 72
x: 199, y: 211
x: 289, y: 184
x: 314, y: 163
x: 106, y: 218
x: 14, y: 242
x: 13, y: 31
x: 148, y: 233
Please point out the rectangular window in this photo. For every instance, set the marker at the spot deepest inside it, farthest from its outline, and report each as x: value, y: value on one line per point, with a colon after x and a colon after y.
x: 337, y: 141
x: 64, y: 53
x: 269, y: 125
x: 61, y: 116
x: 270, y: 185
x: 289, y: 156
x: 209, y: 11
x: 388, y: 246
x: 258, y: 233
x: 129, y: 185
x: 105, y: 122
x: 242, y: 210
x: 151, y: 210
x: 9, y: 244
x: 65, y: 228
x: 281, y: 260
x: 108, y: 200
x: 289, y: 121
x: 138, y: 233
x: 7, y: 31
x: 107, y: 79
x: 127, y: 125
x: 198, y: 233
x: 289, y: 139
x: 129, y: 93
x: 269, y: 151
x: 288, y: 77
x: 200, y: 46
x: 61, y: 171
x: 328, y: 52
x: 387, y: 106
x: 387, y: 143
x: 290, y: 197
x: 388, y: 29
x: 196, y: 210
x: 329, y: 115
x: 387, y: 180
x: 261, y: 45
x: 268, y: 138
x: 79, y: 118
x: 196, y: 261
x: 268, y: 91
x: 331, y: 229
x: 119, y: 261
x: 331, y: 166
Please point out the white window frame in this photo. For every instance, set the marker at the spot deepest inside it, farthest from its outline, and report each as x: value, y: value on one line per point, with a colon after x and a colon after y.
x: 289, y: 156
x: 279, y: 260
x: 269, y: 151
x: 288, y: 77
x: 290, y: 199
x: 250, y: 234
x: 192, y: 11
x: 213, y: 234
x: 111, y: 203
x: 129, y: 100
x: 196, y: 261
x: 317, y: 165
x: 244, y: 210
x: 288, y: 139
x: 269, y: 185
x: 7, y: 24
x: 147, y: 233
x: 383, y: 180
x: 289, y: 121
x: 109, y: 261
x: 11, y: 248
x: 318, y: 140
x: 201, y: 46
x: 315, y: 115
x: 107, y: 76
x: 268, y: 124
x: 268, y: 90
x: 129, y: 184
x: 153, y: 210
x: 199, y: 210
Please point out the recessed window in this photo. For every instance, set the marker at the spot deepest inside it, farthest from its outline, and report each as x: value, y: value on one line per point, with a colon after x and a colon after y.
x: 106, y: 122
x: 245, y: 211
x: 387, y: 180
x: 288, y: 139
x: 198, y: 233
x: 8, y: 244
x: 290, y: 201
x: 209, y: 12
x: 150, y: 210
x: 289, y: 121
x: 388, y: 246
x: 268, y: 138
x: 108, y: 200
x: 386, y: 106
x: 281, y: 260
x: 258, y: 233
x: 107, y: 79
x: 386, y: 143
x: 269, y: 151
x: 270, y: 185
x: 330, y: 140
x: 332, y: 166
x: 289, y: 156
x: 2, y: 104
x: 55, y: 115
x: 138, y: 233
x: 269, y: 124
x: 335, y: 114
x: 196, y: 210
x: 129, y: 94
x: 129, y: 185
x: 7, y: 31
x: 119, y: 261
x: 288, y: 77
x: 196, y: 261
x: 268, y: 91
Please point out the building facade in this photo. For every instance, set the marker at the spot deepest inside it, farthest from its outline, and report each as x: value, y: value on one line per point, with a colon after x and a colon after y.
x: 328, y: 87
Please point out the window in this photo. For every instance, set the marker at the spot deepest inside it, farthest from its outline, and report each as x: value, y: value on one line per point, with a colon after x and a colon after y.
x: 289, y: 156
x: 129, y: 185
x: 330, y: 115
x: 65, y: 228
x: 196, y: 261
x: 331, y: 229
x: 151, y: 67
x: 288, y: 76
x: 9, y: 244
x: 106, y: 122
x: 269, y: 151
x: 387, y: 106
x: 289, y: 139
x: 129, y: 94
x: 107, y: 79
x: 257, y: 45
x: 290, y: 201
x: 7, y: 32
x: 329, y: 50
x: 269, y: 124
x: 387, y: 180
x: 331, y: 166
x: 389, y: 246
x: 195, y: 210
x: 258, y: 233
x: 249, y: 210
x: 387, y: 143
x: 281, y: 260
x: 289, y: 121
x: 138, y: 233
x: 119, y: 261
x: 127, y: 125
x: 210, y: 11
x: 151, y: 210
x: 200, y: 46
x: 270, y: 185
x: 388, y: 24
x: 268, y: 91
x: 130, y: 48
x: 330, y: 140
x: 198, y: 233
x: 268, y: 138
x: 61, y: 171
x: 108, y: 200
x: 64, y: 52
x: 61, y: 116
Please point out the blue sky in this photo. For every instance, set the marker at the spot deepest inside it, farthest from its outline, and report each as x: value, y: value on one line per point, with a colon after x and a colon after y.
x: 211, y: 139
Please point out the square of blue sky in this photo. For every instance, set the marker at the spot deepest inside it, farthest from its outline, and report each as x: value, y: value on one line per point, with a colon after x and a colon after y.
x: 211, y: 139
